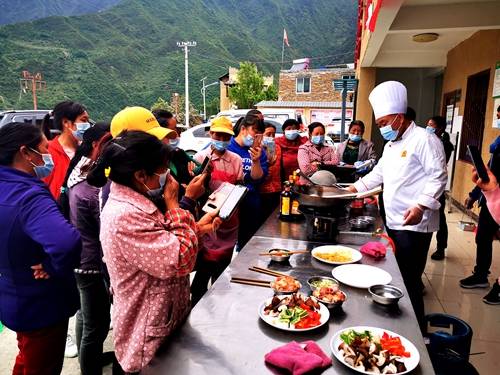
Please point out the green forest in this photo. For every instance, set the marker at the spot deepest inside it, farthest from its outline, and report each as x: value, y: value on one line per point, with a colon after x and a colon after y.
x: 127, y: 55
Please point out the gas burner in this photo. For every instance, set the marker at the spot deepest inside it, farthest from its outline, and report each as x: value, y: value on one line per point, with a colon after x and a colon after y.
x: 323, y: 224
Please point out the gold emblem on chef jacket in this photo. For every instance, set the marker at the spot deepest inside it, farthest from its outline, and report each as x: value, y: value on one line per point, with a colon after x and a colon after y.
x: 403, y: 154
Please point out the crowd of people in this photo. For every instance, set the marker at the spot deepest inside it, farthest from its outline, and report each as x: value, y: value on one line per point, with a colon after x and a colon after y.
x: 102, y: 213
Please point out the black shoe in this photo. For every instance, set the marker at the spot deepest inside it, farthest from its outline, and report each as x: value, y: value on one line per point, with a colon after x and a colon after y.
x: 438, y: 255
x: 474, y: 281
x: 493, y: 297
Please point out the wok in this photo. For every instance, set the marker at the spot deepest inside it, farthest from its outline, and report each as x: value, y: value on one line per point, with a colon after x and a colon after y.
x: 322, y: 196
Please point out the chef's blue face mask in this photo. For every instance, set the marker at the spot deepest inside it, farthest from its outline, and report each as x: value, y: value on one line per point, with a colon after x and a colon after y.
x: 81, y: 128
x: 317, y: 139
x: 430, y: 130
x: 292, y: 134
x: 388, y: 132
x: 46, y: 169
x: 158, y: 193
x: 220, y: 145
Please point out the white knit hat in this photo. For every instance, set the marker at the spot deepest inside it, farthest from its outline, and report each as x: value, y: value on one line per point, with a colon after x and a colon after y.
x: 388, y: 98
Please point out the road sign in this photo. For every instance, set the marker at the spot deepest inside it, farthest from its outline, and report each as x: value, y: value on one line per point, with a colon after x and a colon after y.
x: 345, y: 84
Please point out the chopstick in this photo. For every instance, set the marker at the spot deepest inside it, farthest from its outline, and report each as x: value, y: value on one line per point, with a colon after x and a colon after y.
x: 266, y: 271
x: 241, y: 280
x: 285, y: 253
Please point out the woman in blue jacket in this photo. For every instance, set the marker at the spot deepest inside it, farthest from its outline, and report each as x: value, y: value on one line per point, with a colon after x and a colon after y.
x: 38, y: 251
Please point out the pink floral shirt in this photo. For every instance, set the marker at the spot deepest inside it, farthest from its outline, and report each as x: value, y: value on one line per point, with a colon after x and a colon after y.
x: 149, y: 257
x: 309, y: 154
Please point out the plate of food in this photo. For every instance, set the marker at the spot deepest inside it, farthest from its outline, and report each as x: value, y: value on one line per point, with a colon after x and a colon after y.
x: 294, y: 313
x: 361, y: 275
x: 285, y: 285
x: 336, y: 254
x: 371, y: 350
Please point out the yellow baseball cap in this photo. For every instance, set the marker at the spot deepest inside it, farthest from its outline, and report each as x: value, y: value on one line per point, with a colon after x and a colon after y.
x: 138, y: 118
x: 222, y: 125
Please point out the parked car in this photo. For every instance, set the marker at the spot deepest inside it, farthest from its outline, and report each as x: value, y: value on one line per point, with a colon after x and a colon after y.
x: 27, y: 116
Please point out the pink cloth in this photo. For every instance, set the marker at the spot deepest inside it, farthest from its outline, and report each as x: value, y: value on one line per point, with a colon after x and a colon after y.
x: 226, y: 168
x: 309, y: 153
x: 493, y: 203
x: 299, y: 358
x: 374, y: 249
x: 149, y: 257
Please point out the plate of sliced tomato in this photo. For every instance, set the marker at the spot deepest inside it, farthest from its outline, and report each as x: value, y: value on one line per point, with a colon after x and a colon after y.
x: 294, y: 313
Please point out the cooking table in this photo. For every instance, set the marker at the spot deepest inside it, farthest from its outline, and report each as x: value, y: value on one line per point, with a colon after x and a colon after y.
x: 224, y: 334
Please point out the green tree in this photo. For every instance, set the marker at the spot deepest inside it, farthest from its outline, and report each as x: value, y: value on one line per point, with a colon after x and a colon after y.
x: 250, y: 88
x: 213, y: 107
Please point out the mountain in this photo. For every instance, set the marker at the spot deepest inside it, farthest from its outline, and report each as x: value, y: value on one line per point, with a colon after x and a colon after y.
x: 127, y: 55
x: 12, y: 11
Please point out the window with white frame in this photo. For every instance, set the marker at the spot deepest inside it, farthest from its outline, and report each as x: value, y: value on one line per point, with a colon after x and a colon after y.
x: 303, y: 85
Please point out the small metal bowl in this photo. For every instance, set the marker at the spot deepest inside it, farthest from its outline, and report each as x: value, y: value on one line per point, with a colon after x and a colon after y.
x: 358, y: 223
x: 280, y: 258
x: 320, y: 278
x: 385, y: 294
x: 333, y: 305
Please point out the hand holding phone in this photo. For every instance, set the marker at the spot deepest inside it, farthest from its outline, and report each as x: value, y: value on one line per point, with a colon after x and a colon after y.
x: 478, y: 163
x: 257, y: 140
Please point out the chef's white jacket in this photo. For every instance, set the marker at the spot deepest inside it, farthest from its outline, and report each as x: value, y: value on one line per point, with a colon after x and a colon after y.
x: 413, y: 171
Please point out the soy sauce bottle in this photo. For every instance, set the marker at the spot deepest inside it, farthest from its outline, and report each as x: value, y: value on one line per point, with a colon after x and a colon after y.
x: 286, y: 203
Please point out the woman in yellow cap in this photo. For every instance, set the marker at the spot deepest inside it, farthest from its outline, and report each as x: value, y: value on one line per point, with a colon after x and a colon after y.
x: 216, y: 249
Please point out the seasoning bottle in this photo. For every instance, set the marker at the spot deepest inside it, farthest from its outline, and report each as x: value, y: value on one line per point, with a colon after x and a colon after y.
x: 296, y: 215
x: 286, y: 203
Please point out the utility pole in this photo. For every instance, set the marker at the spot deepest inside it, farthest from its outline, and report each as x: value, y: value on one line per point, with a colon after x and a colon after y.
x: 203, y: 93
x: 186, y: 46
x: 33, y: 82
x: 175, y: 99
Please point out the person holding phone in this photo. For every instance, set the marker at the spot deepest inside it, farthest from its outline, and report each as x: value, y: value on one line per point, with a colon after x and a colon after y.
x: 255, y: 170
x: 491, y: 193
x: 149, y: 253
x: 314, y: 152
x: 216, y: 248
x: 487, y: 228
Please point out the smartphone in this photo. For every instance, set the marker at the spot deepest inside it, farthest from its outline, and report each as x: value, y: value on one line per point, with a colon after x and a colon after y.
x: 202, y: 168
x: 257, y: 140
x: 478, y: 163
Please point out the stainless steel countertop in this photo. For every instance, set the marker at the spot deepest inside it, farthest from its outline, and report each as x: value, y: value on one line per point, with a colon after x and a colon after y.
x: 224, y: 334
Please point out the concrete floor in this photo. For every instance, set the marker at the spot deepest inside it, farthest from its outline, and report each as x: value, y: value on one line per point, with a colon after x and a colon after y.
x: 443, y: 294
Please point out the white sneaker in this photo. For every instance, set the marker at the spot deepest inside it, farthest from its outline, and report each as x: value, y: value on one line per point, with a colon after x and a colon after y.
x: 71, y: 350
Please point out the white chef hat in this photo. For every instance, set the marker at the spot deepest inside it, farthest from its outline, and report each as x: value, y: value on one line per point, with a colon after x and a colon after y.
x: 388, y: 98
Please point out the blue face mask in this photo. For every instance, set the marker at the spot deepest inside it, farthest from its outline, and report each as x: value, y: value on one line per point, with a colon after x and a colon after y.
x: 81, y: 127
x: 430, y: 130
x: 317, y: 139
x: 268, y: 141
x: 158, y: 193
x: 174, y: 142
x: 354, y: 137
x: 291, y: 135
x: 220, y: 145
x: 248, y: 140
x: 388, y: 132
x: 46, y: 169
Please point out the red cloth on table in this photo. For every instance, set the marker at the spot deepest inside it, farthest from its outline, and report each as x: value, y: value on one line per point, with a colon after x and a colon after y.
x: 299, y: 358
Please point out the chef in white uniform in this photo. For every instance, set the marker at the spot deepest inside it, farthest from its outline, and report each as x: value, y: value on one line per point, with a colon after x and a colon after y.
x: 413, y: 171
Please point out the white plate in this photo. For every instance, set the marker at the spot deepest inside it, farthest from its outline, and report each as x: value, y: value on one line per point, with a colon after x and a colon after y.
x: 274, y: 320
x: 361, y: 275
x: 410, y: 363
x: 356, y: 255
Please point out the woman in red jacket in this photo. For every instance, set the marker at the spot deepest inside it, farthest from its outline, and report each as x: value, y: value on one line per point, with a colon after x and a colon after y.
x: 71, y: 119
x: 289, y: 145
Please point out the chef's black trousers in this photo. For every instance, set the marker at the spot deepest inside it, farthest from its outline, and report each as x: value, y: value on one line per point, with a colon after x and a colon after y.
x: 411, y: 255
